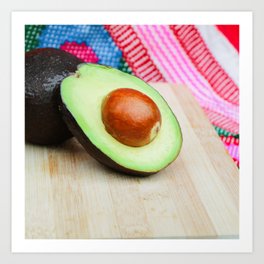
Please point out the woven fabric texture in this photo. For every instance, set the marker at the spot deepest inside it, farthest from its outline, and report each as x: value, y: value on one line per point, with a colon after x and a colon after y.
x: 205, y: 58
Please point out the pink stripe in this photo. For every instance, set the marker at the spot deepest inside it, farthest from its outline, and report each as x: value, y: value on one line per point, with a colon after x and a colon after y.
x: 166, y: 58
x: 233, y: 150
x: 201, y: 100
x: 179, y: 55
x: 213, y: 67
x: 234, y: 95
x: 162, y: 57
x: 154, y: 51
x: 219, y: 120
x: 124, y: 43
x: 215, y: 101
x: 194, y: 85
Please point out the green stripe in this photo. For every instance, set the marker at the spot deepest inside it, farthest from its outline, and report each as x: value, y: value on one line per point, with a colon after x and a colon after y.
x: 123, y: 66
x: 222, y: 132
x: 32, y: 33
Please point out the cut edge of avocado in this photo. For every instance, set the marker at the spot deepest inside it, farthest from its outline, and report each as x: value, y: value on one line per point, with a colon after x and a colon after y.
x: 81, y: 96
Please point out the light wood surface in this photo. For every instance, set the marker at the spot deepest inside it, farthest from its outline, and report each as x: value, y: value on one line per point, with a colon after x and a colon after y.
x: 70, y: 195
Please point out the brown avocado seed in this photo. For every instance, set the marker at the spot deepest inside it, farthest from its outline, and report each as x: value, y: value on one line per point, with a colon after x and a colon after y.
x: 131, y: 117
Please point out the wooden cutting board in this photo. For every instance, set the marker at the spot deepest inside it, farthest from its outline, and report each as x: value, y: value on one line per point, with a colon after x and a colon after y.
x: 70, y: 195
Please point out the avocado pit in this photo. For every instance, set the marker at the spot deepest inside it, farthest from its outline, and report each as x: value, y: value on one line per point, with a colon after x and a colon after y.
x: 131, y: 117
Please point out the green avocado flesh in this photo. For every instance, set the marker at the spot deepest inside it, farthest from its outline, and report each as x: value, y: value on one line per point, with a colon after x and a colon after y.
x: 83, y: 94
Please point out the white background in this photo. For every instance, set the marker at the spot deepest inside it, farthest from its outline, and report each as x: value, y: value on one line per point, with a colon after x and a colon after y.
x: 6, y: 257
x: 20, y: 244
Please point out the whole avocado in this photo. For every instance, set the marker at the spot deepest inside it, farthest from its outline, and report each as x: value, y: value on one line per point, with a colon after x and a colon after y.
x: 45, y: 68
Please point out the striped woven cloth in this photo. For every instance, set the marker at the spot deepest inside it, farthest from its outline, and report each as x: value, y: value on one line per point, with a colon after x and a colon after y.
x: 204, y: 57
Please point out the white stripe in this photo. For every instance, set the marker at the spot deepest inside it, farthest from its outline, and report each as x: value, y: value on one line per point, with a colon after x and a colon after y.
x: 222, y: 50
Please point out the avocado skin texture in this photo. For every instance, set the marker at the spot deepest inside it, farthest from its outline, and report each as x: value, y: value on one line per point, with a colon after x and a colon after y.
x: 45, y: 68
x: 91, y: 148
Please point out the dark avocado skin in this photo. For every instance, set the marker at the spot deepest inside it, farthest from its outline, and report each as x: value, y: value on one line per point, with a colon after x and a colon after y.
x: 45, y: 68
x: 92, y: 149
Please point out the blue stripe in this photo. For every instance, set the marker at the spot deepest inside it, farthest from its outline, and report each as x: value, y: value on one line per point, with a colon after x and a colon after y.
x: 94, y: 36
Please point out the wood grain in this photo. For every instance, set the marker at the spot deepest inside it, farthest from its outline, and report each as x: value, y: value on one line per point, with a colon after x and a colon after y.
x: 70, y: 195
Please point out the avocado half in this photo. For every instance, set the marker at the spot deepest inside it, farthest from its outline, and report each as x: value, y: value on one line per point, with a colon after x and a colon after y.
x: 45, y: 68
x: 81, y: 98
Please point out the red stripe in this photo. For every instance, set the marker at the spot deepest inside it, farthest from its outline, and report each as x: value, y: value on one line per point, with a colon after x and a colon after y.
x: 125, y: 38
x: 230, y: 140
x: 222, y: 121
x: 197, y: 50
x: 236, y: 161
x: 231, y: 32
